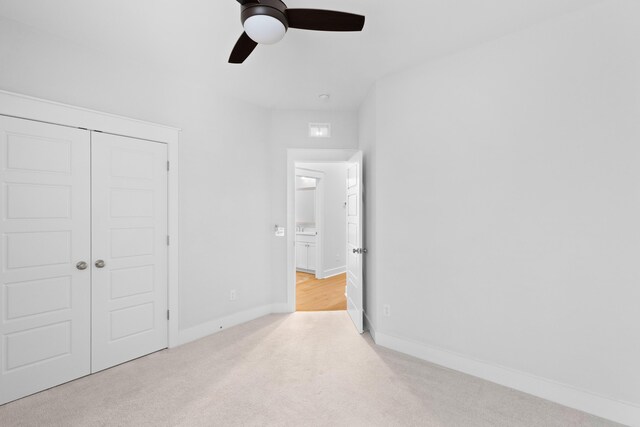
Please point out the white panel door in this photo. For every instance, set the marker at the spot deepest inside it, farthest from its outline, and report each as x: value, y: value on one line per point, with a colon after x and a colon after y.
x: 129, y: 208
x: 45, y: 231
x: 355, y: 251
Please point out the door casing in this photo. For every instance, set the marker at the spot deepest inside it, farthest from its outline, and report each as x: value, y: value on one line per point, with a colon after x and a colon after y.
x: 302, y: 156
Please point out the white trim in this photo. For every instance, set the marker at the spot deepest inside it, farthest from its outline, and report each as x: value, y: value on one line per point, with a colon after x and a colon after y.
x: 368, y: 326
x: 303, y: 156
x: 213, y: 326
x: 280, y: 308
x: 334, y: 271
x: 27, y: 107
x: 564, y: 394
x: 174, y: 240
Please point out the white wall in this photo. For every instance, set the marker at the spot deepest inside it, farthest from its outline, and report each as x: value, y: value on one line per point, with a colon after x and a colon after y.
x: 335, y: 217
x: 230, y: 170
x: 224, y: 176
x: 510, y: 228
x: 289, y: 129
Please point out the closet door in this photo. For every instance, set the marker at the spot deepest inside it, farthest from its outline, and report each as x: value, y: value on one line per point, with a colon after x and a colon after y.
x: 45, y: 237
x: 129, y: 210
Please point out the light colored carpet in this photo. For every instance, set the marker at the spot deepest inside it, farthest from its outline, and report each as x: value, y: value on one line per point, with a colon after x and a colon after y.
x: 303, y: 369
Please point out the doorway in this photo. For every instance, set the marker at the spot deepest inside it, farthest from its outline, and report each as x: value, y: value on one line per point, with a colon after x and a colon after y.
x: 347, y: 275
x: 320, y: 236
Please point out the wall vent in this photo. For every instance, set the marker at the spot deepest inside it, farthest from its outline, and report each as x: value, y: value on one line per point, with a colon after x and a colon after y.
x: 320, y: 130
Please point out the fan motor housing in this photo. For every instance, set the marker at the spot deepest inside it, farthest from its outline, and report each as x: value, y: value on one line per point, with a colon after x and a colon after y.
x: 274, y: 8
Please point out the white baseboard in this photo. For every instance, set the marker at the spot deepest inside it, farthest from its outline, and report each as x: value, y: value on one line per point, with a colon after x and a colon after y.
x: 622, y: 412
x: 280, y: 308
x: 334, y: 272
x: 213, y: 326
x: 370, y: 327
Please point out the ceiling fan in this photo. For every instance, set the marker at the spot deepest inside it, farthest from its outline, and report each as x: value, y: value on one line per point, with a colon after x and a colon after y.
x: 267, y: 21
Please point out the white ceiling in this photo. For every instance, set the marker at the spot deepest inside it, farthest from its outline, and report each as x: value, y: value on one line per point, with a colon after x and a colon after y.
x: 193, y: 38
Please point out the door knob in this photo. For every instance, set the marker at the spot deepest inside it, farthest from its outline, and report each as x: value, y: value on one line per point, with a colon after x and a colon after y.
x: 100, y: 263
x: 355, y: 251
x: 81, y: 265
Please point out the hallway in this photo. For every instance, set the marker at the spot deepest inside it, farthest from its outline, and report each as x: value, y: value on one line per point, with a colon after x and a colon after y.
x: 320, y: 295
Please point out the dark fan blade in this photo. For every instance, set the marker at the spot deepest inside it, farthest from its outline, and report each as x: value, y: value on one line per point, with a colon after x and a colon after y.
x: 243, y: 2
x: 242, y: 49
x: 324, y: 20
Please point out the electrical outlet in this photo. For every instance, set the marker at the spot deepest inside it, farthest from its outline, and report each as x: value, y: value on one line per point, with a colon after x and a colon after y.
x: 233, y: 295
x: 386, y: 310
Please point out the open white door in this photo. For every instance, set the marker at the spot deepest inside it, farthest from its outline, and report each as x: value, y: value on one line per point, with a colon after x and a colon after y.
x: 355, y: 251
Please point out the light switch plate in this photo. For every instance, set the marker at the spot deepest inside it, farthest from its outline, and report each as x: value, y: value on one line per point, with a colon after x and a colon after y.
x: 279, y: 231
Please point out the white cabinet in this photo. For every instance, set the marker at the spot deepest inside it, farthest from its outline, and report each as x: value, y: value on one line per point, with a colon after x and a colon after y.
x: 311, y: 256
x: 301, y: 255
x: 306, y: 253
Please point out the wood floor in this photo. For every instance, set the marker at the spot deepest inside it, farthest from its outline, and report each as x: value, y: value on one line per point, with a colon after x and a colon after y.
x: 320, y: 295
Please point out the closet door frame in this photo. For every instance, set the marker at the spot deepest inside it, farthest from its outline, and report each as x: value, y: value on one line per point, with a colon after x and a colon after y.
x: 26, y: 107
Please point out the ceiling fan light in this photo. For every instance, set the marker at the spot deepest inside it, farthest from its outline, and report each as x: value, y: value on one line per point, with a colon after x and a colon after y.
x: 264, y: 29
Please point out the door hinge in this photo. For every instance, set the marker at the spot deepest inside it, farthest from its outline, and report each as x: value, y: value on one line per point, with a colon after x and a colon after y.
x: 168, y: 165
x: 168, y: 240
x: 168, y: 316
